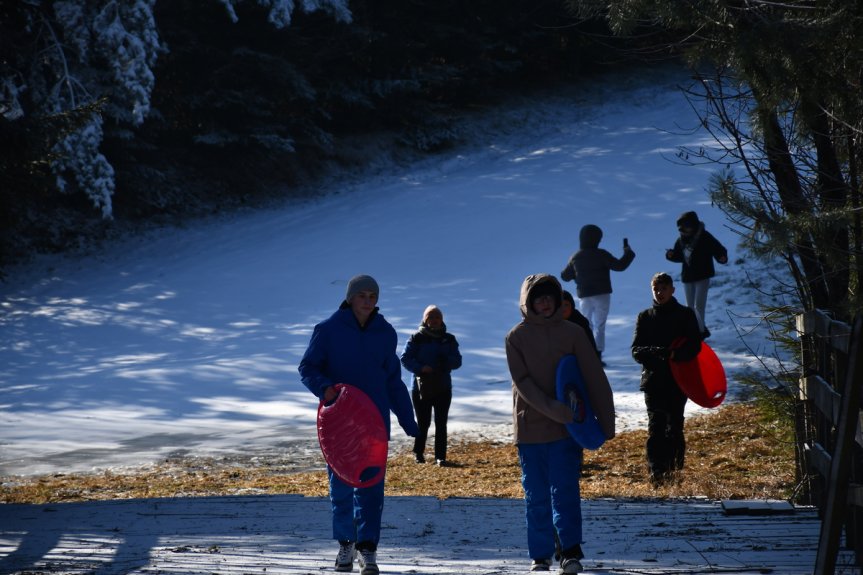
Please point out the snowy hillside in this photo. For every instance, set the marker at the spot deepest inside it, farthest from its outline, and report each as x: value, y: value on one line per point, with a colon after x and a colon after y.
x: 187, y: 341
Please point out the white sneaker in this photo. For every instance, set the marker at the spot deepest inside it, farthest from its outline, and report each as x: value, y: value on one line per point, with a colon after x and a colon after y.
x: 368, y: 562
x: 570, y: 565
x: 540, y: 565
x: 345, y: 558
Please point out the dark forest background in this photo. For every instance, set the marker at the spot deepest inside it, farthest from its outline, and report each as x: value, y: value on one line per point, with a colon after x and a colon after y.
x: 244, y: 112
x: 155, y: 111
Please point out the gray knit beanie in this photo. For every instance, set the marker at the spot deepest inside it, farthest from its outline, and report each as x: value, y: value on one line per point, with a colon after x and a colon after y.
x: 361, y: 283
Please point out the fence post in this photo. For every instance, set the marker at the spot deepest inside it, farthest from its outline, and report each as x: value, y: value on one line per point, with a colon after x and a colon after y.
x: 804, y: 413
x: 840, y: 465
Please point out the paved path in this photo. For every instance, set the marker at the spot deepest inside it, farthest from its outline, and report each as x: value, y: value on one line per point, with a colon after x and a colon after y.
x: 275, y: 535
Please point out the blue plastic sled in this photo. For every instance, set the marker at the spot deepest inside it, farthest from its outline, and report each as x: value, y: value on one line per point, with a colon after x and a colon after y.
x: 571, y: 390
x: 353, y: 437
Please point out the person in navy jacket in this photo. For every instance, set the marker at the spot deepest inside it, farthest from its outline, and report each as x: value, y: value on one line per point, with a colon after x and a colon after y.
x: 357, y: 346
x: 431, y: 354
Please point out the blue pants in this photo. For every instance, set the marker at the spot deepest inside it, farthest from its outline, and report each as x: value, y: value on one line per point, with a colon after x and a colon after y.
x: 356, y: 510
x: 550, y: 474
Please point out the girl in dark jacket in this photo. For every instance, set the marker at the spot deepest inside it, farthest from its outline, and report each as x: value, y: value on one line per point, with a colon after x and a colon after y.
x: 696, y: 248
x: 431, y: 354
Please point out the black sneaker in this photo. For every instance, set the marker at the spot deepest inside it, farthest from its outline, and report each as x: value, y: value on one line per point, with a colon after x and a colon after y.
x: 420, y: 458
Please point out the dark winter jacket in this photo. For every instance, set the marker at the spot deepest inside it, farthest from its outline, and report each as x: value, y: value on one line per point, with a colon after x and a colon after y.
x: 655, y: 330
x: 696, y: 253
x: 534, y: 347
x: 578, y: 319
x: 590, y: 266
x: 341, y: 351
x: 439, y: 350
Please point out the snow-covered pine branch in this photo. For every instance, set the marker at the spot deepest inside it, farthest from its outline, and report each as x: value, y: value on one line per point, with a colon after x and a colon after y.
x: 106, y: 51
x: 281, y: 10
x: 86, y: 51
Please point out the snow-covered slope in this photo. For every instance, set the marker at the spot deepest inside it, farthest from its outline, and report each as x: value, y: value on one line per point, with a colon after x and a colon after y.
x: 186, y: 341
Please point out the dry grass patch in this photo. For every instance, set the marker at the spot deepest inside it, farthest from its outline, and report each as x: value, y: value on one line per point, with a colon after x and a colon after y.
x: 735, y: 452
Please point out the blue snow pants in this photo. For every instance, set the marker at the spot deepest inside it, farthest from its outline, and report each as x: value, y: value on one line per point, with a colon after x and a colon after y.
x: 356, y: 510
x: 550, y: 474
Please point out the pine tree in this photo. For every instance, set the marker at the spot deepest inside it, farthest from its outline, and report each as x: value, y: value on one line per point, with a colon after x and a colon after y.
x: 98, y: 57
x: 780, y: 85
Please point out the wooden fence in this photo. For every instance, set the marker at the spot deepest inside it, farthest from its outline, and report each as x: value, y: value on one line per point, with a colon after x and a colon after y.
x: 829, y: 432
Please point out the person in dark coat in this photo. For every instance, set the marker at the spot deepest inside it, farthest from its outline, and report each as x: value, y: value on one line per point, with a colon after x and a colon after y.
x: 590, y: 269
x: 356, y: 345
x: 571, y: 313
x: 657, y: 339
x: 431, y: 354
x: 696, y: 248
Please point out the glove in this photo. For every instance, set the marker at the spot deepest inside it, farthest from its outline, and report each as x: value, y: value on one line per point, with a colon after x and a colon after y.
x: 410, y: 427
x: 662, y: 353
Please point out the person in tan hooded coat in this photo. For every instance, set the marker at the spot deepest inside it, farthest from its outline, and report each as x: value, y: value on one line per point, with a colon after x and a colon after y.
x: 550, y: 459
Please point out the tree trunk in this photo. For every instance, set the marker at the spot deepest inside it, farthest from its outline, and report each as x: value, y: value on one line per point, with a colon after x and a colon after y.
x: 795, y: 204
x: 833, y: 192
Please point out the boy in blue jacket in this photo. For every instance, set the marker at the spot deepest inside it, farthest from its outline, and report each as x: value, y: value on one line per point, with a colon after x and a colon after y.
x: 356, y: 345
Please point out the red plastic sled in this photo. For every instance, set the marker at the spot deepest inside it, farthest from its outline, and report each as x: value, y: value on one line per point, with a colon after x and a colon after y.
x: 353, y: 437
x: 702, y: 379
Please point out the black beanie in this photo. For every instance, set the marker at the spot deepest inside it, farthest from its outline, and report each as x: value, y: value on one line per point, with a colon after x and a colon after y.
x: 688, y: 220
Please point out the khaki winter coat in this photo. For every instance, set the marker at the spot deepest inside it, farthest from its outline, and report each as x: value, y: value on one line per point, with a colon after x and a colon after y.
x: 533, y: 349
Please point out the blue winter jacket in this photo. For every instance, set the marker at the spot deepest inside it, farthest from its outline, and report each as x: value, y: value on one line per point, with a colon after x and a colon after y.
x: 340, y: 351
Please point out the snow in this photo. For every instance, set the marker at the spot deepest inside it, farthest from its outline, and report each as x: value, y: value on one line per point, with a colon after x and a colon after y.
x: 291, y: 535
x: 186, y: 341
